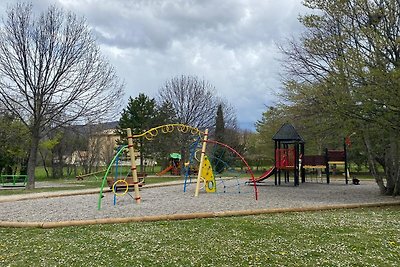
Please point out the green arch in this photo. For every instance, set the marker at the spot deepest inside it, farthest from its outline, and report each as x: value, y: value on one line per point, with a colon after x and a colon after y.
x: 106, y: 174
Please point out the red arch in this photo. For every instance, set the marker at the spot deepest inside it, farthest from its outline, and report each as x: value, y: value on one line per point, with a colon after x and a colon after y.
x: 242, y: 159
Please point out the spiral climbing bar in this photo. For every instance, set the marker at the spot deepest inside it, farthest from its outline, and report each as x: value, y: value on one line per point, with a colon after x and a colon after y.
x: 169, y: 128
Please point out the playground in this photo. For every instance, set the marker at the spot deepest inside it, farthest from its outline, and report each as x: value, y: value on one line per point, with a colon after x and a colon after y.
x: 206, y: 194
x: 296, y: 224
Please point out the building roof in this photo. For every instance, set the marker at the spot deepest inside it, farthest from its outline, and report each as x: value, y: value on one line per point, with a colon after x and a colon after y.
x: 287, y: 134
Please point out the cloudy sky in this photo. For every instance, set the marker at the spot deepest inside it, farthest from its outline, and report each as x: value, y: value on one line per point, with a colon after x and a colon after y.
x: 229, y: 43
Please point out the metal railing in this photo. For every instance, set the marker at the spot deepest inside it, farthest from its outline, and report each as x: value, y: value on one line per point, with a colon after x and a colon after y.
x: 13, y: 180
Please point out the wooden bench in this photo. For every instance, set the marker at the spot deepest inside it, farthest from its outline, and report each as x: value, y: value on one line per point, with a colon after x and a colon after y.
x: 129, y: 181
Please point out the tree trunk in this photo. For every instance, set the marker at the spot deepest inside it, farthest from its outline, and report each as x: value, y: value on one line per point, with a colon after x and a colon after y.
x: 44, y: 163
x: 392, y: 166
x: 396, y: 191
x: 372, y: 165
x: 32, y: 161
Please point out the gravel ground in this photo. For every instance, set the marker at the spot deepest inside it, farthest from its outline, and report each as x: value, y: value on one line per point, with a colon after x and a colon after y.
x: 172, y: 200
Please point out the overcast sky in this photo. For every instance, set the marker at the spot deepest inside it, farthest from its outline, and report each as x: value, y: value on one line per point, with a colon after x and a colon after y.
x: 229, y: 43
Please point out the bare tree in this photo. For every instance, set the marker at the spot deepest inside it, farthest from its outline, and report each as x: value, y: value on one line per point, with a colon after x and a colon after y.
x: 195, y: 103
x: 193, y: 100
x: 52, y: 73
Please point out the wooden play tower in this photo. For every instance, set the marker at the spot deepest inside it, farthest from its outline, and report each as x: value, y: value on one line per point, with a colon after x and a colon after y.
x: 289, y: 145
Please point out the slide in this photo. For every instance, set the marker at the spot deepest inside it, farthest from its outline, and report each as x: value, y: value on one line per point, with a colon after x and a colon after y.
x: 165, y: 170
x: 265, y: 175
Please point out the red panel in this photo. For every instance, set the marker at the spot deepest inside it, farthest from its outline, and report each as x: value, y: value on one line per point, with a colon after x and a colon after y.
x: 284, y: 157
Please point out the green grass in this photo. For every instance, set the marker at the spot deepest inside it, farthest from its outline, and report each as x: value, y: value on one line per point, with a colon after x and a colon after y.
x: 362, y: 237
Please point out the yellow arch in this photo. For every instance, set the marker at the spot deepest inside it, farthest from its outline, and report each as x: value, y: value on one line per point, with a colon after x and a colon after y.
x: 169, y: 128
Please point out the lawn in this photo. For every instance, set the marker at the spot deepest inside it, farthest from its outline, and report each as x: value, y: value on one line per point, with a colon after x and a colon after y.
x: 361, y: 237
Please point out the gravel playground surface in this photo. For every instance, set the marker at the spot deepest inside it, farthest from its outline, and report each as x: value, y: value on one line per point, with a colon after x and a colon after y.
x: 170, y: 200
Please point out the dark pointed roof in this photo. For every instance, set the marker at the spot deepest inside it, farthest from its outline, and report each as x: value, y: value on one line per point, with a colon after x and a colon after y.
x: 287, y: 134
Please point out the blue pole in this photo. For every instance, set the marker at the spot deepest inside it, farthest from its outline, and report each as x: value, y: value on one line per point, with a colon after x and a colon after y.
x: 192, y: 150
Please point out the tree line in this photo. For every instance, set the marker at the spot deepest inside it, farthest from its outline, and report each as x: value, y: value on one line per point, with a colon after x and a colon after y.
x: 341, y: 78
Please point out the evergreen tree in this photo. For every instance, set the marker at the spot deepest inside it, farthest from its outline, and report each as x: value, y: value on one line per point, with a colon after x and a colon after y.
x: 219, y: 157
x: 140, y: 115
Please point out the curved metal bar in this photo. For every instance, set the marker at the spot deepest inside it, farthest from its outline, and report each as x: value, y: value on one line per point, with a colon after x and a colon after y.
x: 242, y: 159
x: 106, y: 174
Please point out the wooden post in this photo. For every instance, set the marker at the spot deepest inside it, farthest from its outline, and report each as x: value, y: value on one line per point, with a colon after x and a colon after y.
x: 133, y: 166
x: 203, y: 152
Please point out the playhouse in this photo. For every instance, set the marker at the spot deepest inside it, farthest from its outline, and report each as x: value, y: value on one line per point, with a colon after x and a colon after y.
x: 289, y: 148
x: 290, y: 157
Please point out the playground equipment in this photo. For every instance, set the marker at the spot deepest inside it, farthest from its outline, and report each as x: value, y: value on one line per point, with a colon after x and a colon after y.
x: 324, y: 162
x: 119, y: 181
x: 205, y: 170
x: 203, y: 158
x: 189, y: 169
x: 230, y: 179
x: 208, y: 175
x: 266, y: 174
x: 135, y: 181
x: 149, y: 135
x: 289, y: 157
x: 289, y: 145
x: 174, y: 165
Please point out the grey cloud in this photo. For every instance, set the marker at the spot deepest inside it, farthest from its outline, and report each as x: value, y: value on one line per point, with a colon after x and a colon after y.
x: 154, y: 24
x: 230, y: 43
